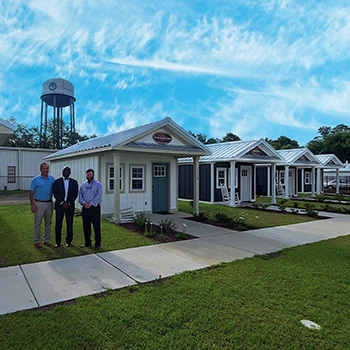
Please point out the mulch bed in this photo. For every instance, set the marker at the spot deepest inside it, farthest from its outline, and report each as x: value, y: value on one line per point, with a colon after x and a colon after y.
x: 218, y: 224
x: 168, y: 236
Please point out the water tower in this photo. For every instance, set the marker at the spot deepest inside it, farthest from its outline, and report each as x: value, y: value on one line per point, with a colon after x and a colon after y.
x: 59, y: 94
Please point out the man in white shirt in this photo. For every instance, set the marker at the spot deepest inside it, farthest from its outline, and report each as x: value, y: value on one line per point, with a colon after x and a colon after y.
x: 65, y: 191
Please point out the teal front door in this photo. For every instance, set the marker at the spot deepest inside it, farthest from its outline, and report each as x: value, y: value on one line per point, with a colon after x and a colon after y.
x: 160, y: 188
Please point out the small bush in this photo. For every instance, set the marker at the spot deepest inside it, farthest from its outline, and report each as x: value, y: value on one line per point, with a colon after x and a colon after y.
x: 168, y: 225
x: 310, y: 210
x: 140, y: 220
x: 282, y: 204
x: 201, y: 216
x: 296, y: 205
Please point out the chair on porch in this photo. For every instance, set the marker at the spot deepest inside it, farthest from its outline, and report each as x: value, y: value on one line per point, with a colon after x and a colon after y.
x: 280, y: 190
x: 226, y: 196
x: 127, y: 213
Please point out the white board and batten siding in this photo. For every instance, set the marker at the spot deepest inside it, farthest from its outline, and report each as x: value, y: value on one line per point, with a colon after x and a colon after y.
x: 23, y: 162
x: 139, y: 200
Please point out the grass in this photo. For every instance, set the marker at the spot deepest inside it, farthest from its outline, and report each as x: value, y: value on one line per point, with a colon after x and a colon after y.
x: 301, y: 204
x: 16, y: 238
x: 254, y: 218
x: 251, y: 304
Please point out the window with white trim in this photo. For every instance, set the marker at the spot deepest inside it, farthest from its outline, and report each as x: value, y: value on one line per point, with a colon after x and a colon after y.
x: 159, y: 171
x: 137, y: 178
x: 11, y: 174
x: 307, y: 178
x: 282, y: 177
x: 110, y: 180
x: 221, y: 177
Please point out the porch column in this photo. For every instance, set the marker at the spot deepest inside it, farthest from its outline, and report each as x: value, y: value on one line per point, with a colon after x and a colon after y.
x: 273, y: 184
x: 196, y: 185
x: 318, y: 181
x: 268, y: 181
x: 254, y: 187
x: 212, y: 183
x: 302, y: 180
x: 313, y: 182
x: 337, y: 181
x: 116, y: 165
x: 286, y: 181
x: 232, y: 183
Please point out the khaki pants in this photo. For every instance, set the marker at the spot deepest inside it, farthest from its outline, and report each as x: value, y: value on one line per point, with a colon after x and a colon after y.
x: 43, y: 210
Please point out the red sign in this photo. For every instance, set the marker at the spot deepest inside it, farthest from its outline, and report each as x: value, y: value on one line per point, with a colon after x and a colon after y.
x: 162, y: 138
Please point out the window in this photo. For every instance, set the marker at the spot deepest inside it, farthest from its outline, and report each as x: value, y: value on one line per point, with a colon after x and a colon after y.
x: 11, y: 174
x: 110, y: 180
x: 159, y: 171
x: 282, y: 177
x: 221, y: 177
x: 307, y: 178
x: 137, y: 178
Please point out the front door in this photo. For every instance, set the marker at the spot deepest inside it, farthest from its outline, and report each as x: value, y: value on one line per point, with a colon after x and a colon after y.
x: 246, y: 184
x: 160, y: 188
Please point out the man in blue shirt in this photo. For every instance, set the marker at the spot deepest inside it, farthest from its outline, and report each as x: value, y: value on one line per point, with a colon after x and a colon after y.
x: 41, y: 203
x: 90, y: 197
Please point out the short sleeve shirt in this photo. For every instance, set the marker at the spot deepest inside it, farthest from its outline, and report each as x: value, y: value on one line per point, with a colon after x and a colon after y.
x: 42, y: 187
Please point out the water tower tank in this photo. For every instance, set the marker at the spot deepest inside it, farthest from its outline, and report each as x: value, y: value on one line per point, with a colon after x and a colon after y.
x: 57, y: 93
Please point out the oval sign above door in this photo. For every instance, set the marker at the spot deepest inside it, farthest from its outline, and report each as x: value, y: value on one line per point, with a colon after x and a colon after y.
x: 162, y: 138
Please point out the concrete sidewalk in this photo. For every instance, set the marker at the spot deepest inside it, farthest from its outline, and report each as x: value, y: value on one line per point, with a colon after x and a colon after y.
x: 44, y: 283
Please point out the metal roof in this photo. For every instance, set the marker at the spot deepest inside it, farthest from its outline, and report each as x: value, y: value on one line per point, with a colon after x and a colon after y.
x: 236, y: 150
x: 291, y: 156
x: 123, y: 137
x: 326, y: 158
x: 7, y: 124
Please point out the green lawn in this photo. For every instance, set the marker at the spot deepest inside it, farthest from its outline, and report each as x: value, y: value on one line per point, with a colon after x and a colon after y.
x: 250, y: 304
x: 16, y: 238
x: 301, y: 204
x: 254, y: 218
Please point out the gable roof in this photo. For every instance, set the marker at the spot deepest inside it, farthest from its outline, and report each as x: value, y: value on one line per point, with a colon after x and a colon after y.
x: 238, y: 150
x: 329, y: 160
x: 7, y: 124
x: 292, y: 156
x: 125, y: 140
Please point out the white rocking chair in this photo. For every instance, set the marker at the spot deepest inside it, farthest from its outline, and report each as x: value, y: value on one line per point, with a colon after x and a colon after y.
x: 280, y: 191
x: 226, y: 196
x: 127, y: 213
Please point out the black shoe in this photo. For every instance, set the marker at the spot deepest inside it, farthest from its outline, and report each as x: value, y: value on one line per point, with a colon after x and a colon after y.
x: 57, y: 245
x: 85, y: 245
x: 67, y: 245
x: 97, y: 247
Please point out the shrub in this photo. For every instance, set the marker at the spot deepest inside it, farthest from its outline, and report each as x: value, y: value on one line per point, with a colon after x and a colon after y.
x: 282, y: 204
x: 237, y: 222
x: 140, y: 220
x: 201, y: 216
x: 168, y: 225
x: 296, y: 204
x: 310, y: 210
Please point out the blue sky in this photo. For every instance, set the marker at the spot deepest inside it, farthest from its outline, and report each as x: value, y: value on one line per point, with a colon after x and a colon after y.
x: 252, y: 67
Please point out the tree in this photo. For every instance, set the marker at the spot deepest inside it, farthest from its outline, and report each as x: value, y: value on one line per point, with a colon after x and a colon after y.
x: 283, y: 142
x: 332, y: 141
x: 25, y: 136
x: 230, y: 137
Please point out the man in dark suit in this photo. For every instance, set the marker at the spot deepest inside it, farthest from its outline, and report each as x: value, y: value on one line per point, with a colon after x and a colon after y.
x: 65, y: 191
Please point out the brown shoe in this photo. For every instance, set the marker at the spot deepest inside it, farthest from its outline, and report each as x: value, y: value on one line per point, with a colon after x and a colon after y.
x: 37, y: 245
x: 47, y: 244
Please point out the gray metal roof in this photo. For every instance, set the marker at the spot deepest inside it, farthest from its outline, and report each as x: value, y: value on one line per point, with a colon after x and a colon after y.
x: 7, y: 124
x: 236, y: 150
x: 123, y: 137
x: 326, y: 158
x: 291, y: 156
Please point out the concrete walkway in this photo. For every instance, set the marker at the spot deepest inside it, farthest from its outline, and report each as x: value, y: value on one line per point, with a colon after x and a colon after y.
x: 32, y: 285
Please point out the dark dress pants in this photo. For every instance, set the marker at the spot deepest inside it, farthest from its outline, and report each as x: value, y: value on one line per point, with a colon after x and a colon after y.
x: 60, y: 214
x: 92, y: 216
